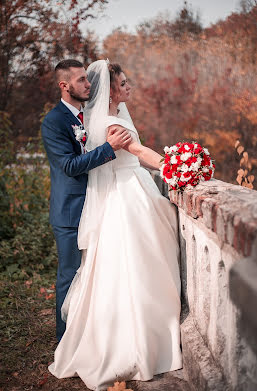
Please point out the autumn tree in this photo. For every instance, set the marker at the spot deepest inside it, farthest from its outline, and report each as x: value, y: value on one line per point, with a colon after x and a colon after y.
x: 187, y: 23
x: 247, y: 5
x: 200, y: 89
x: 33, y: 37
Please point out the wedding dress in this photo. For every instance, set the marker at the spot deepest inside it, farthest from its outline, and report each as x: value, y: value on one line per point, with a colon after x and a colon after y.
x: 123, y: 306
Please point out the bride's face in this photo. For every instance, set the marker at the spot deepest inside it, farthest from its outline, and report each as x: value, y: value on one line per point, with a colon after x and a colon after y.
x: 121, y: 90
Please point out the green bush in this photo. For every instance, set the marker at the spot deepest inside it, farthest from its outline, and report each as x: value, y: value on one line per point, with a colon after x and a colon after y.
x: 26, y: 240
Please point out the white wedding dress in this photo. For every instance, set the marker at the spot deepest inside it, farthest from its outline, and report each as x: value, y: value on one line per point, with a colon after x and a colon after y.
x: 123, y: 307
x: 124, y: 303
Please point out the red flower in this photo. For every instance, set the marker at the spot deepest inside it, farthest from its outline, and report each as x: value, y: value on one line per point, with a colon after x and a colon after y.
x: 169, y: 174
x: 193, y: 181
x: 206, y: 160
x: 197, y: 149
x: 190, y: 177
x: 167, y: 159
x: 179, y: 161
x: 181, y: 184
x: 166, y: 169
x: 207, y: 176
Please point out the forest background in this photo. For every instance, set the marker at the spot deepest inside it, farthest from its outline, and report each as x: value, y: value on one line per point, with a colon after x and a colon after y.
x: 189, y: 83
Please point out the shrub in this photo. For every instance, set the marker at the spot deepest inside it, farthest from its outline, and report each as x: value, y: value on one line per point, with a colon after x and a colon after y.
x: 26, y: 240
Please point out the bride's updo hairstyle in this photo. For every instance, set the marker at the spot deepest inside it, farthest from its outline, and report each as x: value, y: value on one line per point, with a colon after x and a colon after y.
x: 115, y: 70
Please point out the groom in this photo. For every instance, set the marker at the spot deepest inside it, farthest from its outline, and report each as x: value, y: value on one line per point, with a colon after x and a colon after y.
x: 69, y: 169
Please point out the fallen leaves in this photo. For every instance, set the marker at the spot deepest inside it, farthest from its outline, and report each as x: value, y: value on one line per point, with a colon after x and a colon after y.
x: 43, y: 380
x: 244, y: 178
x: 47, y: 311
x: 48, y: 294
x: 119, y: 386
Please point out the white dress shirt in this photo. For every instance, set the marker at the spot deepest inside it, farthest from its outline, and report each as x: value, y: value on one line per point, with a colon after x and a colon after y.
x: 73, y: 109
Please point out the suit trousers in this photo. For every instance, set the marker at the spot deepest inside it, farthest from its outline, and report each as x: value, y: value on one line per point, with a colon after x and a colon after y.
x: 69, y: 259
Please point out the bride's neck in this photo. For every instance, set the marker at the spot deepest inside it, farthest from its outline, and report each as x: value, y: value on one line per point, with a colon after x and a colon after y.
x: 113, y: 110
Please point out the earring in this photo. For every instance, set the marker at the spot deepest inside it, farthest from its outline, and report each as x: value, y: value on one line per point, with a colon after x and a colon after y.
x: 110, y: 99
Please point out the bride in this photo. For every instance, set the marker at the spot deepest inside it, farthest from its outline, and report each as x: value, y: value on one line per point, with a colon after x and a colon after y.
x: 123, y: 307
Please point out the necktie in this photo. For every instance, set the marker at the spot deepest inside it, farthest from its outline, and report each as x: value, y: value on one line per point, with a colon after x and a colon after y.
x: 80, y: 116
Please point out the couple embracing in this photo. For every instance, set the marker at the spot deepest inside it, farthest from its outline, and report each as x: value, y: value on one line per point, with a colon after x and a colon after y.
x: 118, y: 282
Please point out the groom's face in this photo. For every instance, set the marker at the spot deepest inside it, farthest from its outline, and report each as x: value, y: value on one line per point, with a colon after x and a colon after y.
x: 78, y: 85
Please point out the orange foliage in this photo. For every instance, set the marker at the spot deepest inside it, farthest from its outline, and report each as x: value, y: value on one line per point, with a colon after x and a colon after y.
x: 119, y: 386
x: 193, y: 88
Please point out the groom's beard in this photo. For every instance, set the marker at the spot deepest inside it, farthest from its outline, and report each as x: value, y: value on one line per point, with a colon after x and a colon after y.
x: 77, y: 97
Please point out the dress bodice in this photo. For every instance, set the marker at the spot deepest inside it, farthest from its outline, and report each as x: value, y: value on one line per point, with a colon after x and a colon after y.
x: 123, y: 157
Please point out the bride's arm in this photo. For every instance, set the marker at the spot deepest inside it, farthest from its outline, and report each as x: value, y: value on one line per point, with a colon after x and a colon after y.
x: 146, y: 165
x: 147, y: 156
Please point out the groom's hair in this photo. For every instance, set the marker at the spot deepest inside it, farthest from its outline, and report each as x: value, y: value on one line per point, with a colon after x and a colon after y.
x: 63, y: 67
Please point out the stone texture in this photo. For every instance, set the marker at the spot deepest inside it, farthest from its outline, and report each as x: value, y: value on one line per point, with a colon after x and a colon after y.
x: 170, y: 381
x: 228, y: 210
x: 204, y: 373
x: 218, y: 241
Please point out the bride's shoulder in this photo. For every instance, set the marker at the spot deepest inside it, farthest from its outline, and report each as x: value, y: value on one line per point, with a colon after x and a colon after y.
x: 112, y: 120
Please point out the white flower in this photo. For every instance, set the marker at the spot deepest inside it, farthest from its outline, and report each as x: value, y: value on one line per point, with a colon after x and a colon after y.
x: 173, y: 148
x: 206, y: 151
x: 184, y: 167
x: 187, y: 148
x: 194, y: 166
x: 185, y: 156
x: 205, y: 169
x: 79, y: 131
x: 173, y: 159
x: 171, y: 181
x: 199, y: 160
x: 184, y: 179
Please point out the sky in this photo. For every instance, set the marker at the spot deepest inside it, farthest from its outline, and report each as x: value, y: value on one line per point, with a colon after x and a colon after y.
x: 130, y: 13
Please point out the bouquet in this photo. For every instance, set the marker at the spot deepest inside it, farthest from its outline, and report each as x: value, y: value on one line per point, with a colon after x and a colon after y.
x: 185, y: 165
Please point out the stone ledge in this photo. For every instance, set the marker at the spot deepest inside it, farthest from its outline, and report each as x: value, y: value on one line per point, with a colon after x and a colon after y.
x: 228, y: 210
x: 243, y: 292
x: 199, y: 366
x: 169, y: 381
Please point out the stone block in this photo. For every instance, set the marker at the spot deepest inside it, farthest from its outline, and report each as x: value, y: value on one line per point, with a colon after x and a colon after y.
x: 200, y: 369
x: 218, y: 228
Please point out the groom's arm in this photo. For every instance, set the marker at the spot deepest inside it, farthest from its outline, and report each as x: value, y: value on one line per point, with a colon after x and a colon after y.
x: 60, y: 149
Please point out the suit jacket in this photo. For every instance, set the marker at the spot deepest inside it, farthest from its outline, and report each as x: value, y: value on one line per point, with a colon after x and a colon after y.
x: 68, y: 166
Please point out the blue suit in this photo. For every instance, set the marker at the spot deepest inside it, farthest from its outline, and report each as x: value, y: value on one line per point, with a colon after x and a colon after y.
x: 69, y: 174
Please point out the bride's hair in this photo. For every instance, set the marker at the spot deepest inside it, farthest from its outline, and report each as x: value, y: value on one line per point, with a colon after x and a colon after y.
x: 115, y: 70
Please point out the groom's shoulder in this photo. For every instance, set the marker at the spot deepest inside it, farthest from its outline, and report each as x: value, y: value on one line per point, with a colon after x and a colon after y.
x: 56, y: 114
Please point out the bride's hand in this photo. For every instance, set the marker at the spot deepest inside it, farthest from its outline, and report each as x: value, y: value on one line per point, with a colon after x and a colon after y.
x: 118, y: 137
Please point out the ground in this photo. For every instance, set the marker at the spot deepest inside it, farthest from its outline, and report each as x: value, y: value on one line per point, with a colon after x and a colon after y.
x: 27, y: 330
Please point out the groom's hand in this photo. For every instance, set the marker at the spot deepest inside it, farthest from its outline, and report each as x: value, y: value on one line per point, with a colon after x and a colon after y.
x: 118, y: 137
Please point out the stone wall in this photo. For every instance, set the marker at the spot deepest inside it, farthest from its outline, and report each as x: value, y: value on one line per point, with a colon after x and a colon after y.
x: 218, y: 238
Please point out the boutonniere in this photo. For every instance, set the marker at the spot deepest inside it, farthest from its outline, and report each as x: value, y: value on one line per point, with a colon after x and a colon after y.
x: 80, y: 134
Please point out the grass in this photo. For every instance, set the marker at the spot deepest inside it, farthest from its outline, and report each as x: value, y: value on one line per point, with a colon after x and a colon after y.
x: 27, y: 338
x: 27, y: 331
x: 27, y: 334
